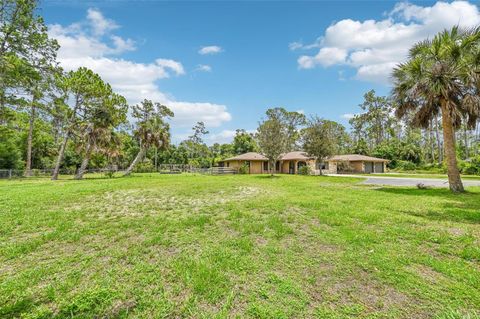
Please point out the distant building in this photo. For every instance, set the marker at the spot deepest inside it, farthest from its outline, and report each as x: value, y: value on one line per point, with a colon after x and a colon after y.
x: 291, y: 162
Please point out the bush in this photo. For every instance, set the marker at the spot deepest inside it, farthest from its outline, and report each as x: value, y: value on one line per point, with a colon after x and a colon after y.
x: 144, y: 167
x: 243, y: 169
x: 406, y: 166
x: 471, y: 167
x: 344, y: 167
x: 305, y: 170
x: 109, y: 174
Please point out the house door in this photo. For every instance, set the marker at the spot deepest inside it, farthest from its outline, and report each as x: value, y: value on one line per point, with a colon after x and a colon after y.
x: 300, y: 165
x: 369, y: 167
x: 291, y: 167
x: 378, y: 167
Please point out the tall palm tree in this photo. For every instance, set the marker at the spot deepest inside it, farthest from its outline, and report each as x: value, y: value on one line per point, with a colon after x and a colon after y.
x: 152, y: 130
x: 442, y: 76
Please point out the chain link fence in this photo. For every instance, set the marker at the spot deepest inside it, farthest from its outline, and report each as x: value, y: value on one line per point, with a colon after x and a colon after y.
x: 161, y: 169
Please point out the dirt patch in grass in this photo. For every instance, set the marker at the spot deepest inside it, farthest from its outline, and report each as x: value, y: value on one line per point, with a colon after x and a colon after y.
x: 141, y: 202
x: 427, y: 273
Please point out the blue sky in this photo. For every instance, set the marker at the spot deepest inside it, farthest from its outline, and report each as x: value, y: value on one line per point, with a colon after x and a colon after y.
x: 319, y: 57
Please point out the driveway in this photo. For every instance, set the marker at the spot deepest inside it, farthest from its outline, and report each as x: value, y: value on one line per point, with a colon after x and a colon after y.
x: 407, y: 181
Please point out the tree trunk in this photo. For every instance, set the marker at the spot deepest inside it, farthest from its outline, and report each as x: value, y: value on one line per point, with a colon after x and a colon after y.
x: 454, y: 179
x: 64, y: 143
x: 86, y: 159
x: 439, y: 143
x: 137, y: 159
x: 31, y: 123
x: 431, y: 141
x: 273, y: 165
x: 56, y: 170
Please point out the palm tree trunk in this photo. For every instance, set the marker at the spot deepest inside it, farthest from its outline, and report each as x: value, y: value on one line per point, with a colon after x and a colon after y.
x: 86, y: 159
x: 439, y: 143
x: 137, y: 159
x: 61, y: 152
x: 431, y: 142
x: 454, y: 179
x: 31, y: 123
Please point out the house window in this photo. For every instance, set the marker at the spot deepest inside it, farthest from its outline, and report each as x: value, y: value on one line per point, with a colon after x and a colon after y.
x: 322, y: 166
x: 265, y: 166
x: 228, y: 164
x: 247, y: 163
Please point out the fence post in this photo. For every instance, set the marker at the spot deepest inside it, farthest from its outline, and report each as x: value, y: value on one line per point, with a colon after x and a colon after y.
x: 10, y: 173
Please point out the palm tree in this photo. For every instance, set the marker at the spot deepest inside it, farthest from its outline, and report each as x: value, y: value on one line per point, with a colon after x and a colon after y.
x: 152, y: 130
x: 104, y: 116
x: 441, y: 76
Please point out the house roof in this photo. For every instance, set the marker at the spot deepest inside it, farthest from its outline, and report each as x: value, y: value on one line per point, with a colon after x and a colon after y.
x: 356, y: 158
x: 299, y: 155
x: 251, y: 156
x: 295, y: 156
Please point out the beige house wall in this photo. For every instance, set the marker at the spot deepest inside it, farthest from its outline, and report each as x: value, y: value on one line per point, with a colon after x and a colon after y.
x: 332, y: 168
x: 357, y: 167
x: 256, y: 167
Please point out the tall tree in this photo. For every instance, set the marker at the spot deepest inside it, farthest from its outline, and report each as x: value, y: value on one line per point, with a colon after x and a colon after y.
x: 151, y: 128
x: 244, y: 142
x: 80, y: 92
x: 109, y: 111
x: 322, y: 138
x: 198, y: 152
x: 273, y: 140
x: 374, y: 123
x: 291, y: 121
x: 23, y: 42
x: 442, y: 76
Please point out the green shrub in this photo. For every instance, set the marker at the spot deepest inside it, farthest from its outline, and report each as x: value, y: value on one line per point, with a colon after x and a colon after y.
x: 244, y: 169
x: 305, y: 170
x: 406, y: 166
x: 144, y: 167
x: 471, y: 167
x: 110, y: 173
x: 344, y: 167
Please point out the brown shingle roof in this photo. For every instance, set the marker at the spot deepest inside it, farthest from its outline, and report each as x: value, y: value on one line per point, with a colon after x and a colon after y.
x: 356, y: 157
x: 295, y: 156
x: 251, y: 156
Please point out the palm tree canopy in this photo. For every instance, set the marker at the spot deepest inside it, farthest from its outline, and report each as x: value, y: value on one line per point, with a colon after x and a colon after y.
x: 152, y: 129
x: 445, y: 68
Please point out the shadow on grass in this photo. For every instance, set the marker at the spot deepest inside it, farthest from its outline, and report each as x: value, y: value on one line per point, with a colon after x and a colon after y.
x: 463, y: 208
x: 267, y: 176
x: 16, y: 309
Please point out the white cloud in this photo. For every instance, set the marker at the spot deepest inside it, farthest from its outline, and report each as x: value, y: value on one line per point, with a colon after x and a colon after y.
x: 204, y: 68
x: 225, y: 136
x: 297, y: 45
x: 99, y: 23
x: 374, y: 47
x: 173, y: 65
x: 325, y: 57
x: 90, y: 44
x: 122, y: 45
x: 212, y: 49
x: 348, y: 116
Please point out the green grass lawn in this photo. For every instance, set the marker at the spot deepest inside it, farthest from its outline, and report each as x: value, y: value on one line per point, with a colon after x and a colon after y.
x: 159, y: 246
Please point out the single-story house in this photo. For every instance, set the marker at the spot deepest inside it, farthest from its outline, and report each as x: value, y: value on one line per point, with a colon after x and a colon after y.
x: 356, y: 163
x: 290, y: 163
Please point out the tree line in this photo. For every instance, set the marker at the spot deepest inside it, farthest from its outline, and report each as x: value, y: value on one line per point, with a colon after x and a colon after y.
x: 71, y: 121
